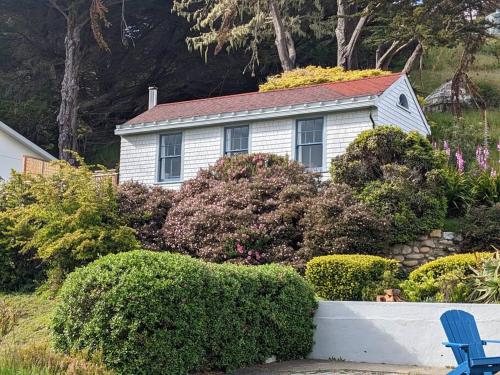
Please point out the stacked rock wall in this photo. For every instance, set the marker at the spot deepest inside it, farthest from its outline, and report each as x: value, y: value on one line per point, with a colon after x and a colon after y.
x: 426, y: 248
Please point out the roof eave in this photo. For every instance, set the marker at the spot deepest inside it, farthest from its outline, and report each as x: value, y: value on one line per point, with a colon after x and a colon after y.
x: 26, y: 142
x: 251, y: 115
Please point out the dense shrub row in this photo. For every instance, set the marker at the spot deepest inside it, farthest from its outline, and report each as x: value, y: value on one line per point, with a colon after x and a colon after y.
x: 351, y: 277
x: 162, y: 313
x: 387, y: 188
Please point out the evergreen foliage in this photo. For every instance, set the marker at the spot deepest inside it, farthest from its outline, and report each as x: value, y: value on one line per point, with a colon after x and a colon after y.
x: 162, y: 313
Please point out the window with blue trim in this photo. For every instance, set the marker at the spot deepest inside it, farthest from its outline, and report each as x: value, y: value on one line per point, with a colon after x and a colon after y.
x: 170, y: 157
x: 236, y: 140
x: 309, y: 143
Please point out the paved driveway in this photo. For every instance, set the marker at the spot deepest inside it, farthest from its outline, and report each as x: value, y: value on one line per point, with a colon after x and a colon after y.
x: 313, y: 367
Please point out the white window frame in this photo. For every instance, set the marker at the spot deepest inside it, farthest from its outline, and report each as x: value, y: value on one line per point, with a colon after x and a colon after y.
x: 227, y: 152
x: 322, y: 143
x: 159, y: 158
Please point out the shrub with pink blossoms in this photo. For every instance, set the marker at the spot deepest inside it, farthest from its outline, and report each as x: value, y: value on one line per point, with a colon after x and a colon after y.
x: 244, y: 209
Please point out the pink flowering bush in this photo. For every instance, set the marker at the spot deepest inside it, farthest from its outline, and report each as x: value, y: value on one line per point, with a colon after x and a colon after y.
x: 145, y: 209
x: 244, y: 209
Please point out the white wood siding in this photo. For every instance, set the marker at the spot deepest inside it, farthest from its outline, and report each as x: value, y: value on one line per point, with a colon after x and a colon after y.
x: 274, y: 136
x: 342, y: 128
x: 390, y: 113
x: 203, y: 146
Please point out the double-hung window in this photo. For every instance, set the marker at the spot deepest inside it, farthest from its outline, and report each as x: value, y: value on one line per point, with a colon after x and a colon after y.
x: 170, y: 157
x: 236, y: 140
x: 309, y: 143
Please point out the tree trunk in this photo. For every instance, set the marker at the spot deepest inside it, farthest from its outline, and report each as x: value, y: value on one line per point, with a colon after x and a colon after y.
x: 284, y: 41
x: 68, y: 110
x: 384, y: 61
x: 347, y: 35
x: 415, y: 56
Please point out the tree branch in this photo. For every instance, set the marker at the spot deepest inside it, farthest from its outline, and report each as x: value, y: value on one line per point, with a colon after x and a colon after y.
x: 59, y: 9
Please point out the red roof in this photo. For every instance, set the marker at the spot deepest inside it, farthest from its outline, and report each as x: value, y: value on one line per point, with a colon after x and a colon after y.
x: 270, y: 99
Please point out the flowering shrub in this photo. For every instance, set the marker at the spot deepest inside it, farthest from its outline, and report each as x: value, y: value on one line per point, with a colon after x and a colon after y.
x: 162, y: 313
x: 395, y: 173
x: 145, y: 209
x: 311, y: 75
x: 336, y: 222
x: 244, y: 209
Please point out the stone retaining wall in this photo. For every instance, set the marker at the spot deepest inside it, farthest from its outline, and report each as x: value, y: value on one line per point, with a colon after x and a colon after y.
x: 426, y: 248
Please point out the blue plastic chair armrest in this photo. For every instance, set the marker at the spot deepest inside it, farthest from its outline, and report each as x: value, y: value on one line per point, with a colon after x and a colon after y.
x: 491, y: 341
x: 456, y: 345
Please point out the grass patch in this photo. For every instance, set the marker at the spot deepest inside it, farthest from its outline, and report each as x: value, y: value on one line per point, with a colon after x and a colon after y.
x: 25, y: 340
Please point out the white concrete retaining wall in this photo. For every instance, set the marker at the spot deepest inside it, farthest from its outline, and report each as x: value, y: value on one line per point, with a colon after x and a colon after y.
x: 395, y: 333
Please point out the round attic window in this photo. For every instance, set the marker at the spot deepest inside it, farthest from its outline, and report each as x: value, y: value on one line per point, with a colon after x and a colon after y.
x: 403, y: 101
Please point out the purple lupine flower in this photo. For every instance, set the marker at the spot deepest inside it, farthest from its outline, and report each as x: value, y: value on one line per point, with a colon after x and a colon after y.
x: 493, y: 173
x: 447, y: 149
x: 460, y: 160
x: 482, y: 154
x: 498, y: 148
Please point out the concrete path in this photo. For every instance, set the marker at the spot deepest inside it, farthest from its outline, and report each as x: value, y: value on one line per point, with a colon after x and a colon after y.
x: 315, y: 367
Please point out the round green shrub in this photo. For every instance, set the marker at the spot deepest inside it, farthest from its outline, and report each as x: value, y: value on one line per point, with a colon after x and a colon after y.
x: 443, y: 280
x: 447, y: 264
x: 350, y: 277
x: 163, y: 313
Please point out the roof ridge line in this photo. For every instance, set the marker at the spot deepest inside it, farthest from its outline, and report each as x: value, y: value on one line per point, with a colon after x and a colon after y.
x: 283, y: 89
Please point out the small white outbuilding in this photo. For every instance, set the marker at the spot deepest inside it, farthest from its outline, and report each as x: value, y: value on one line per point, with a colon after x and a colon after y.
x: 13, y: 147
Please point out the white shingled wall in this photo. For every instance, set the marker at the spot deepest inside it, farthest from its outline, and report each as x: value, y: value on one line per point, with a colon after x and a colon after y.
x: 202, y: 146
x: 390, y: 113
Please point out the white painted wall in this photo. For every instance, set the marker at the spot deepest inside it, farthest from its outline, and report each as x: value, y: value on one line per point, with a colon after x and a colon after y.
x: 11, y: 155
x: 390, y: 113
x: 395, y: 333
x: 203, y: 146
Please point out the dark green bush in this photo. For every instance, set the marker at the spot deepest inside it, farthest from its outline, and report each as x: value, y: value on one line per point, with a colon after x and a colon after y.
x: 395, y: 173
x: 351, y: 277
x: 482, y: 228
x: 373, y: 149
x: 337, y: 223
x: 19, y: 271
x: 443, y: 280
x: 162, y: 313
x: 410, y: 208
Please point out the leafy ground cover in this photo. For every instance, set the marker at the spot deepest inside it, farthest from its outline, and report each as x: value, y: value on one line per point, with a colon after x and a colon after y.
x: 25, y: 346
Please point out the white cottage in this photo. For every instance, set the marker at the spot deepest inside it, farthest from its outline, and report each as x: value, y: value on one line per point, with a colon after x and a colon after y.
x: 13, y: 147
x: 169, y: 143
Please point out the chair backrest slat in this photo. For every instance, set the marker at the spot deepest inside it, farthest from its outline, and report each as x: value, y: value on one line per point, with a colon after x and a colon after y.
x: 460, y: 327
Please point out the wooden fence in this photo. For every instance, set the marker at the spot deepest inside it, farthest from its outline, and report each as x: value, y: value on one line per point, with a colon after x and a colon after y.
x: 34, y: 166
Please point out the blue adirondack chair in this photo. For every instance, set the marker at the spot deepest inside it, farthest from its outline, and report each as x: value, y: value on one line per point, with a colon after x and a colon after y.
x: 461, y: 330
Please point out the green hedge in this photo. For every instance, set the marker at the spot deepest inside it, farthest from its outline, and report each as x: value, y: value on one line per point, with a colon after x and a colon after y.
x: 350, y: 277
x: 162, y: 313
x: 447, y: 264
x: 442, y: 280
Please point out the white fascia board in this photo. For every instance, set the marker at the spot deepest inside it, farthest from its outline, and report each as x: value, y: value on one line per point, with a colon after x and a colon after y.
x: 26, y: 142
x: 253, y: 115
